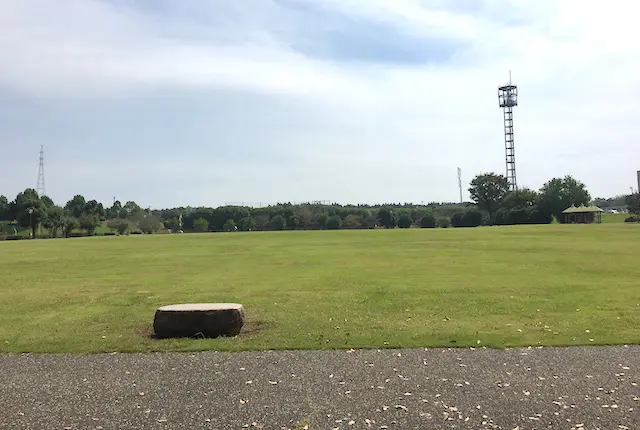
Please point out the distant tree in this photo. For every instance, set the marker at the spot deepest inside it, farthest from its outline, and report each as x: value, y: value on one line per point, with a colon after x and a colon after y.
x: 404, y: 220
x: 305, y: 216
x: 95, y: 209
x: 428, y: 221
x: 261, y: 221
x: 417, y: 214
x: 352, y: 221
x: 247, y: 224
x: 278, y: 222
x: 444, y: 222
x: 369, y: 220
x: 229, y: 225
x: 633, y: 203
x: 54, y: 220
x: 75, y: 206
x: 29, y: 210
x: 149, y: 223
x: 119, y: 225
x: 130, y: 208
x: 172, y: 223
x: 114, y: 210
x: 89, y: 223
x: 387, y: 217
x: 4, y: 209
x: 522, y: 198
x: 488, y: 190
x: 334, y: 222
x: 320, y: 220
x: 201, y: 225
x: 560, y: 193
x: 616, y: 201
x: 68, y: 225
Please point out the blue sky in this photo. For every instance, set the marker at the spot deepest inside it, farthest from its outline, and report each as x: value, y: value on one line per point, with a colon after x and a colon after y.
x: 202, y: 102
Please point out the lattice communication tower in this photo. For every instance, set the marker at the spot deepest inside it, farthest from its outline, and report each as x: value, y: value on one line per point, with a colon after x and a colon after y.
x: 508, y: 99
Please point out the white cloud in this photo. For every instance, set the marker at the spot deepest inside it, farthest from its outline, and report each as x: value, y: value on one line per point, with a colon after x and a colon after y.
x: 360, y: 131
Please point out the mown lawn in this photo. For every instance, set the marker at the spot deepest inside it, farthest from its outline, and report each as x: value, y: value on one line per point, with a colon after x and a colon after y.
x: 492, y: 286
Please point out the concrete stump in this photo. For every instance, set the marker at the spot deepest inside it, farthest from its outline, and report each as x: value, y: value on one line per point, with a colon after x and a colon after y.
x: 199, y: 319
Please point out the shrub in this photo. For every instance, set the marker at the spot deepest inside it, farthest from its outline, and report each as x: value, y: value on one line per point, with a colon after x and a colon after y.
x: 136, y: 232
x: 334, y: 222
x: 229, y: 225
x: 428, y: 221
x: 404, y: 221
x: 444, y: 222
x: 119, y: 225
x: 201, y: 225
x: 470, y: 218
x: 632, y: 219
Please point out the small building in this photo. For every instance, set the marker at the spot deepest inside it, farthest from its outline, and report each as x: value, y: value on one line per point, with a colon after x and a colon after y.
x: 582, y: 214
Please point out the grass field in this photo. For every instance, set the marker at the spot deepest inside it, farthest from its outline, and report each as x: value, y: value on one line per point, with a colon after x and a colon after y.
x: 492, y: 286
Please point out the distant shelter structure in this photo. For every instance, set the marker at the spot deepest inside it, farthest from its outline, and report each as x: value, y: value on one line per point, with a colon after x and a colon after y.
x: 582, y: 214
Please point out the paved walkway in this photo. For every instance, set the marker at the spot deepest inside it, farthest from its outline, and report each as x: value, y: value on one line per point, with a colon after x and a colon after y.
x: 540, y: 388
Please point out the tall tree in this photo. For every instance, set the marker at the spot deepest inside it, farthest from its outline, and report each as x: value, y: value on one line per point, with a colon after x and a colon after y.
x: 75, y: 206
x: 633, y: 203
x: 94, y: 209
x: 29, y: 210
x: 4, y: 209
x: 488, y: 190
x: 131, y: 207
x: 388, y: 217
x: 560, y: 193
x: 54, y: 220
x: 114, y: 210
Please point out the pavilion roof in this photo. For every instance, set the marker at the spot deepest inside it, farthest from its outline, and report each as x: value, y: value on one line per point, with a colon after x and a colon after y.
x: 582, y: 209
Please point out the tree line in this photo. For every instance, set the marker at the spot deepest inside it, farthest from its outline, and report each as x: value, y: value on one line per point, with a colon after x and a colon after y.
x: 492, y: 203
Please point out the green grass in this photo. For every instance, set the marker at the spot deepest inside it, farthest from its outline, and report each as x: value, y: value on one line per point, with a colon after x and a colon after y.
x: 492, y: 286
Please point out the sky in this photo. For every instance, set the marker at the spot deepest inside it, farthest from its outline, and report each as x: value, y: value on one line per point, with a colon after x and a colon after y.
x: 208, y: 102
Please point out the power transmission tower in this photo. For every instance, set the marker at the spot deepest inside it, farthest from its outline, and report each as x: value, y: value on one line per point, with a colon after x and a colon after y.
x: 40, y: 186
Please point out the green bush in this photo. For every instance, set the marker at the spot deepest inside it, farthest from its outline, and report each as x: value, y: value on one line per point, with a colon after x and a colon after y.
x: 334, y: 223
x: 428, y: 221
x: 404, y: 221
x: 229, y: 225
x: 444, y: 223
x: 470, y: 218
x: 200, y: 225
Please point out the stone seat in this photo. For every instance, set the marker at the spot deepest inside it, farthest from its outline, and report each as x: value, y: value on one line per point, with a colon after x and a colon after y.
x: 199, y: 319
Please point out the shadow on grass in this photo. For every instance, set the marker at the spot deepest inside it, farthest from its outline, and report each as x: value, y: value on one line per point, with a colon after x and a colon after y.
x: 249, y: 329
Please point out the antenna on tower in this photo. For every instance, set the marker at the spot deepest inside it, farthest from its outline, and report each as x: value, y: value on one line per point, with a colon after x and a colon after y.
x: 460, y: 183
x: 507, y: 99
x: 40, y: 186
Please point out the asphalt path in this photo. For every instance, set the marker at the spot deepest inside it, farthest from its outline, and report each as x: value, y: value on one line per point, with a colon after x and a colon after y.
x: 534, y: 388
